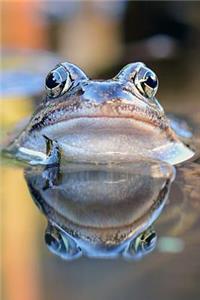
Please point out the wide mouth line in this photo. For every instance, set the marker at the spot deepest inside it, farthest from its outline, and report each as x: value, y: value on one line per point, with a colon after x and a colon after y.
x: 117, y: 109
x: 134, y: 117
x: 97, y: 118
x: 114, y: 110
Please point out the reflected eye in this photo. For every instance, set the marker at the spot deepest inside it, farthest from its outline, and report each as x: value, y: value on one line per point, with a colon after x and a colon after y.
x: 146, y: 82
x: 61, y: 244
x: 146, y: 241
x: 57, y: 82
x: 54, y: 241
x: 142, y: 245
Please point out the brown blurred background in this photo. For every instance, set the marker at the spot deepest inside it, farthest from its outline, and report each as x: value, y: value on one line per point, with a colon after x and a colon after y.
x: 100, y: 37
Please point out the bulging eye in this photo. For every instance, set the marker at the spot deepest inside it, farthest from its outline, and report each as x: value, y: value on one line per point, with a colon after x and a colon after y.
x: 57, y: 82
x: 146, y: 82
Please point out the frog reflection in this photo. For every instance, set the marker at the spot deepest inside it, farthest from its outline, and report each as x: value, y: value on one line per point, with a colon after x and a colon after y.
x: 101, y: 211
x: 62, y: 244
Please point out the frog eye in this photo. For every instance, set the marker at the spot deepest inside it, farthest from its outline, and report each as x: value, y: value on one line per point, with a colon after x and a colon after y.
x: 146, y: 82
x: 54, y: 241
x: 142, y: 245
x: 57, y: 82
x: 146, y: 242
x: 60, y: 244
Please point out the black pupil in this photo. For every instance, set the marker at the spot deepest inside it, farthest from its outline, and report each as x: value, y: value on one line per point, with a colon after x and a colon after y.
x: 53, y: 80
x: 151, y: 82
x: 149, y: 240
x: 51, y: 241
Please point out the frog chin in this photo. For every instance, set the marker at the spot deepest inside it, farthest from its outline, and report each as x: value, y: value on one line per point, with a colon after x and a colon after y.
x: 102, y: 139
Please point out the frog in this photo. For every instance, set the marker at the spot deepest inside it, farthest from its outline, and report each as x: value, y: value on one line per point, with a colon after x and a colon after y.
x: 101, y: 211
x: 99, y: 121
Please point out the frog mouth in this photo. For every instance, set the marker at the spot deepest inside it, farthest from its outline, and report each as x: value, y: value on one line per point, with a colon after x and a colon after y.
x: 154, y: 122
x: 108, y: 111
x: 132, y: 120
x: 135, y: 112
x: 107, y: 134
x: 135, y: 123
x: 126, y: 119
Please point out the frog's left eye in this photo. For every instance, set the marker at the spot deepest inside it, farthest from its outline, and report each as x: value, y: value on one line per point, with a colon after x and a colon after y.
x: 146, y: 82
x: 57, y: 82
x: 61, y: 244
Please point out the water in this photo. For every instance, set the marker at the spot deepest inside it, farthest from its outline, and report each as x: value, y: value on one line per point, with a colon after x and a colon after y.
x: 169, y: 267
x: 101, y: 211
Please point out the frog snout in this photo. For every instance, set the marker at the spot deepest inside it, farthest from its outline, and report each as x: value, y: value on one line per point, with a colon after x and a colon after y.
x: 101, y: 92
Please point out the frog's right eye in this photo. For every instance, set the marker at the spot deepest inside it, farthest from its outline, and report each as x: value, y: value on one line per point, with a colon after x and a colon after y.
x: 57, y: 82
x: 145, y: 242
x: 146, y: 82
x: 142, y: 245
x: 61, y: 244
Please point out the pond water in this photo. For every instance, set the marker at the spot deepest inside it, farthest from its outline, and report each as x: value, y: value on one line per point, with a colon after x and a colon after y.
x: 99, y: 262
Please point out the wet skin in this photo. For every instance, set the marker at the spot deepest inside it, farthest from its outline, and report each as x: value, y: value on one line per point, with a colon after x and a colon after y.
x: 99, y: 121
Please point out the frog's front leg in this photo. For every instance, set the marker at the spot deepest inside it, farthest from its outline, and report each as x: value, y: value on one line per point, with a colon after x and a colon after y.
x: 53, y: 154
